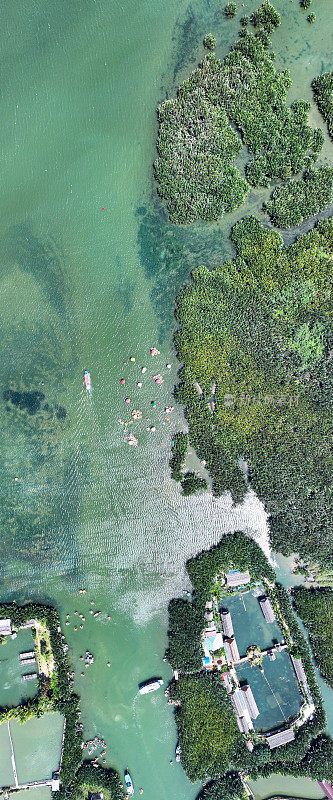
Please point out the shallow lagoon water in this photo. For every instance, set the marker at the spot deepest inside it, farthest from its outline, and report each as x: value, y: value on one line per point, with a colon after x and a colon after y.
x: 249, y: 623
x: 82, y: 288
x: 12, y: 689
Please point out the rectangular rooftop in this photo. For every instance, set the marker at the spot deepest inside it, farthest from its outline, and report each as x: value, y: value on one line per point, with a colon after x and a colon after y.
x: 277, y: 739
x: 237, y: 578
x: 299, y: 669
x: 5, y: 627
x: 267, y: 609
x: 231, y: 649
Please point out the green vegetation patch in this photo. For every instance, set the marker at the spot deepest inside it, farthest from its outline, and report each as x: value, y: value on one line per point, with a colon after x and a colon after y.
x: 315, y: 608
x: 229, y: 787
x: 259, y: 327
x: 297, y: 200
x: 196, y: 145
x: 208, y: 732
x: 323, y: 93
x: 193, y: 483
x: 93, y: 780
x: 178, y: 454
x: 190, y: 481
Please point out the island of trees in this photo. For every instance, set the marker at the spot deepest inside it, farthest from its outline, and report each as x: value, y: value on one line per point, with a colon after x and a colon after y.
x: 212, y: 746
x: 258, y: 326
x: 292, y: 202
x: 197, y: 146
x: 315, y: 608
x: 55, y: 693
x: 323, y: 93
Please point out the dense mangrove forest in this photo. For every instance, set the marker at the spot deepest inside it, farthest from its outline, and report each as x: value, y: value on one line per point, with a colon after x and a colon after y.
x: 197, y: 147
x: 211, y: 744
x: 189, y: 481
x: 315, y: 608
x: 296, y: 200
x: 91, y: 781
x: 258, y: 326
x: 323, y: 93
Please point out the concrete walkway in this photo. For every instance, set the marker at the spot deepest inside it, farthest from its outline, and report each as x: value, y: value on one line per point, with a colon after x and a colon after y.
x: 12, y: 756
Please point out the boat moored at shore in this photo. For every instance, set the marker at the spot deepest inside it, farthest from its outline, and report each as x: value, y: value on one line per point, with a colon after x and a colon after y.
x: 128, y: 783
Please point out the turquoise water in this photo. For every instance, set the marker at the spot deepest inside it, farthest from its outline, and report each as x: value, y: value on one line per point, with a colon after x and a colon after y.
x: 275, y: 691
x: 285, y: 786
x: 82, y: 288
x: 12, y: 690
x: 37, y: 746
x: 37, y: 793
x: 250, y: 626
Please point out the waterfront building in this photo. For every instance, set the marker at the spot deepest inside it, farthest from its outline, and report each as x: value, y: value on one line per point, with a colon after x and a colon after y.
x: 28, y: 661
x: 237, y: 578
x: 227, y: 624
x: 27, y: 655
x: 277, y: 739
x: 5, y: 627
x: 267, y: 609
x: 242, y: 714
x: 299, y: 669
x: 230, y: 646
x: 250, y: 701
x: 238, y: 703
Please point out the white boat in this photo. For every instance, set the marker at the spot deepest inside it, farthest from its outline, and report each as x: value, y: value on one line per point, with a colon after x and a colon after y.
x: 151, y: 686
x: 87, y: 380
x: 128, y: 783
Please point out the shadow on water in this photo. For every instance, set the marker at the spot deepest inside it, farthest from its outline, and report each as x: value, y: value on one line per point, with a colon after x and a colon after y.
x: 40, y: 258
x: 39, y: 494
x: 125, y: 291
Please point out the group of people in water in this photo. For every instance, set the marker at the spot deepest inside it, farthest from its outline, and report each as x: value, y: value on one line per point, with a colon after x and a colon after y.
x: 137, y: 413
